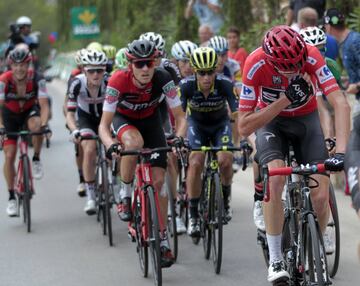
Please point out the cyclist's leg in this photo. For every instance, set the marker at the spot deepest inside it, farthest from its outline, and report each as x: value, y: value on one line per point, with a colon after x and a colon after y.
x: 34, y: 125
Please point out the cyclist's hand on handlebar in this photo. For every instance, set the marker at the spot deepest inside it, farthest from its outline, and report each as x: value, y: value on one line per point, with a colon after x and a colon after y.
x: 246, y: 152
x: 335, y: 163
x: 113, y: 151
x: 330, y: 144
x: 46, y: 130
x: 75, y: 136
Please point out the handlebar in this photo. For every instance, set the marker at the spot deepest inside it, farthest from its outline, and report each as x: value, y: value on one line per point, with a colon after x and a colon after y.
x: 215, y: 149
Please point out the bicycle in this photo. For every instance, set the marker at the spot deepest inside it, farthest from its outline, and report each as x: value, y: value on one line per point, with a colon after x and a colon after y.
x: 146, y: 224
x: 302, y: 243
x: 24, y: 187
x: 211, y: 209
x: 104, y: 182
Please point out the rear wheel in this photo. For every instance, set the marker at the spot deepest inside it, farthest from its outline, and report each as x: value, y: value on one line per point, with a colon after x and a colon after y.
x: 171, y: 221
x: 154, y: 237
x: 141, y: 245
x: 107, y: 190
x: 27, y: 193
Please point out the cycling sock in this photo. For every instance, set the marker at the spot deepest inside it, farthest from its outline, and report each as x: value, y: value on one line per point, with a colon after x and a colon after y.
x: 125, y: 189
x: 193, y: 206
x: 36, y: 157
x: 90, y: 190
x: 226, y: 193
x: 11, y: 195
x: 81, y: 176
x: 164, y: 240
x: 274, y: 243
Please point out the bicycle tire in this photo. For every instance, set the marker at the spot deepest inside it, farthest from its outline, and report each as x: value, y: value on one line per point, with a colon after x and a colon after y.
x: 216, y: 219
x: 334, y: 258
x: 311, y: 255
x: 171, y: 220
x: 142, y: 247
x: 107, y: 200
x: 101, y: 203
x: 27, y: 193
x: 182, y: 200
x: 262, y: 241
x: 204, y: 218
x: 154, y: 236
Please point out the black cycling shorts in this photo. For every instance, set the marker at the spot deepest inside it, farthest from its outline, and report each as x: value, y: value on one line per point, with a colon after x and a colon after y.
x: 151, y: 131
x: 15, y: 122
x: 303, y: 132
x: 88, y: 124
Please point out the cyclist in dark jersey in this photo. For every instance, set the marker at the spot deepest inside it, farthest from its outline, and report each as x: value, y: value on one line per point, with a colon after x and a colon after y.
x: 22, y: 94
x: 279, y: 80
x: 204, y: 97
x: 132, y: 104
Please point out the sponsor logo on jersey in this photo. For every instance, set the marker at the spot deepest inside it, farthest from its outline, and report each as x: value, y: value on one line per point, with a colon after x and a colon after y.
x: 254, y: 68
x: 112, y: 92
x: 276, y: 79
x: 170, y: 89
x: 247, y: 92
x: 245, y: 107
x: 324, y: 74
x: 330, y: 87
x: 311, y: 60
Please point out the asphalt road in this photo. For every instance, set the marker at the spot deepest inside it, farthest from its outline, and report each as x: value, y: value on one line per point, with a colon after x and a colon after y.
x: 66, y: 247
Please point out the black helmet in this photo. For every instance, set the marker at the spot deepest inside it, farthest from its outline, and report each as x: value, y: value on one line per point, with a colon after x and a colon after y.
x: 141, y: 49
x: 19, y: 55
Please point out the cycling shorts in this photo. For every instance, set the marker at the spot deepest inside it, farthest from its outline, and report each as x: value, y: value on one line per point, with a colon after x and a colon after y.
x: 303, y: 132
x: 87, y: 123
x: 215, y: 135
x: 15, y: 122
x: 151, y: 131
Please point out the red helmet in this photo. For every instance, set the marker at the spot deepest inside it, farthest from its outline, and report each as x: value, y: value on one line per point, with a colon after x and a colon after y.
x: 285, y: 49
x: 19, y: 55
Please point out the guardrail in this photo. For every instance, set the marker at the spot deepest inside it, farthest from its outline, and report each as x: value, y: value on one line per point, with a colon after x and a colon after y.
x: 61, y: 66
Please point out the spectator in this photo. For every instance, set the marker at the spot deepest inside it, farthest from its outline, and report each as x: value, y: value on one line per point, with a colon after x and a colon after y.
x: 235, y: 52
x: 349, y: 45
x: 208, y: 12
x: 296, y: 5
x: 205, y: 33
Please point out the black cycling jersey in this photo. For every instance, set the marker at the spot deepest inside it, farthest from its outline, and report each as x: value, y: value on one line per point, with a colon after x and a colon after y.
x: 172, y: 69
x: 212, y: 109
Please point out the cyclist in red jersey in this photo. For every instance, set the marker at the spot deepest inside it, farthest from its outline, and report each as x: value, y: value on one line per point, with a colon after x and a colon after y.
x: 132, y: 103
x: 278, y: 79
x: 23, y: 102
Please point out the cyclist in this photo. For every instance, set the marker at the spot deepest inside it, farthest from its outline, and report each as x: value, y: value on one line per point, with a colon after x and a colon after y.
x: 181, y: 52
x: 110, y: 52
x: 85, y: 98
x: 95, y: 46
x: 204, y: 97
x: 121, y: 61
x: 278, y: 79
x: 132, y: 106
x: 22, y: 92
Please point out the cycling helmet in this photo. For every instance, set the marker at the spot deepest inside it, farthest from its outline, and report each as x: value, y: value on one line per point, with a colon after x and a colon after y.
x: 203, y: 58
x: 141, y: 49
x: 219, y: 44
x: 23, y: 20
x: 313, y: 36
x: 157, y: 39
x: 110, y: 51
x: 121, y: 61
x: 182, y: 50
x: 94, y: 58
x: 78, y: 56
x: 95, y: 46
x: 19, y: 55
x: 285, y: 49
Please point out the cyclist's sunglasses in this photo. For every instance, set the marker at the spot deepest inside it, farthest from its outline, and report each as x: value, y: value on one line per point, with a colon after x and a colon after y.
x: 140, y: 64
x: 203, y: 73
x: 92, y: 71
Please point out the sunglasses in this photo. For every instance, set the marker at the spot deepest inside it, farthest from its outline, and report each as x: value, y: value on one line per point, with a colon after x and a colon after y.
x: 141, y: 64
x: 203, y: 73
x: 92, y: 71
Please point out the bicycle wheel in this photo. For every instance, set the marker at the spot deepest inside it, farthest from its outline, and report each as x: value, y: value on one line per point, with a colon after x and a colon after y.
x: 182, y: 202
x: 171, y: 221
x: 154, y: 236
x: 313, y: 254
x: 27, y: 193
x: 204, y: 218
x: 141, y: 245
x: 216, y: 221
x: 334, y: 230
x: 106, y: 187
x: 100, y: 198
x: 262, y: 241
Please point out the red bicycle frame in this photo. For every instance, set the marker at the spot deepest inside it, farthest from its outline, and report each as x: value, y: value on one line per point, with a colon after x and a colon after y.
x: 23, y: 158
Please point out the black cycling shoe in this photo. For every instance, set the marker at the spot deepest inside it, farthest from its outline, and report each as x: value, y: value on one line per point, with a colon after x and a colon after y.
x: 124, y: 209
x: 166, y: 257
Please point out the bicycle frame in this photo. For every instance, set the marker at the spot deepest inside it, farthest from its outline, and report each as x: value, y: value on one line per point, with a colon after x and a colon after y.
x: 23, y: 158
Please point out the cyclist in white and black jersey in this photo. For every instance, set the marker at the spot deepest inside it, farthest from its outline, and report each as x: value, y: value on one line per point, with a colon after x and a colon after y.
x: 181, y: 52
x: 86, y: 95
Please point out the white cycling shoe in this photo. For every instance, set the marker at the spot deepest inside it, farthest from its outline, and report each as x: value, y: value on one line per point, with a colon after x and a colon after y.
x: 11, y: 209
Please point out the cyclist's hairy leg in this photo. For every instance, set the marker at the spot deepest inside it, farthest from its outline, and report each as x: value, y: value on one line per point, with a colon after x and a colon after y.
x: 9, y: 164
x: 34, y: 125
x: 320, y: 200
x: 79, y: 157
x: 172, y: 173
x: 89, y: 149
x: 193, y: 181
x: 225, y: 160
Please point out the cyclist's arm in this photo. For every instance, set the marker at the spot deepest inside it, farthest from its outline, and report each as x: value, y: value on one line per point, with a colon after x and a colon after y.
x: 189, y: 8
x: 104, y: 128
x: 324, y: 116
x: 71, y: 104
x: 342, y: 119
x: 44, y: 110
x: 2, y: 98
x: 180, y: 121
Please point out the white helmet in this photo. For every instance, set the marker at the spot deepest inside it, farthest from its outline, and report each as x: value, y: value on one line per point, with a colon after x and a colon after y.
x: 23, y: 20
x: 157, y: 39
x: 219, y: 44
x: 78, y: 56
x: 182, y: 50
x: 93, y: 57
x: 313, y: 36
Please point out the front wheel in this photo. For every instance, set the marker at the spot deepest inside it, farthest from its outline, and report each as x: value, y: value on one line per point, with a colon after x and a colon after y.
x: 141, y: 244
x: 27, y: 193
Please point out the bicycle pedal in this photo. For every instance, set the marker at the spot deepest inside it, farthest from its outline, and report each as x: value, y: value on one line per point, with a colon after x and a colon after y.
x: 131, y: 237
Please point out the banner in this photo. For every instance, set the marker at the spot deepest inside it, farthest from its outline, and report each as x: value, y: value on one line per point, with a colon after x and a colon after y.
x: 84, y: 22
